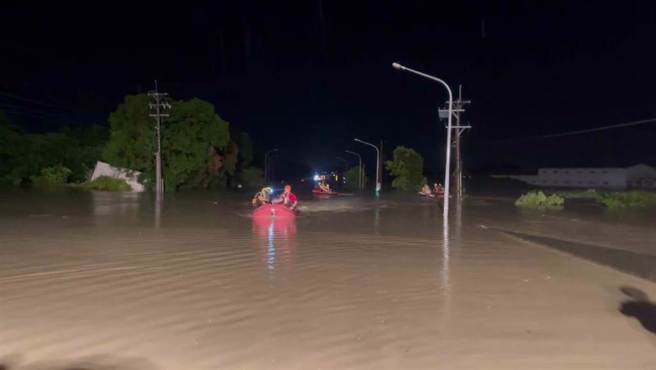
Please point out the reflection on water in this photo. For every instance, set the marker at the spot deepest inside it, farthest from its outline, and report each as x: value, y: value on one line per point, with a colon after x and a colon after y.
x: 377, y: 219
x: 356, y: 282
x: 109, y: 207
x: 277, y: 241
x: 159, y: 203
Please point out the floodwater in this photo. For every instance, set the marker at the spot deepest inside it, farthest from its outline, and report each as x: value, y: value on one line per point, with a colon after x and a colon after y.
x: 119, y: 281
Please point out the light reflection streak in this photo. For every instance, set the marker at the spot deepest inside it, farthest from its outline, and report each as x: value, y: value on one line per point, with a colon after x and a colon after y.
x: 278, y: 238
x: 271, y: 250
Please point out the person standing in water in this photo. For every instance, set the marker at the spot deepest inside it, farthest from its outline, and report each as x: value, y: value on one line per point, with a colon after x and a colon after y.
x: 287, y: 198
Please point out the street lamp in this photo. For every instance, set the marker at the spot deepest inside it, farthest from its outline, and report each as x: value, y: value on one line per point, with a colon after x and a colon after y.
x: 447, y: 166
x: 266, y: 164
x: 377, y: 161
x: 359, y: 167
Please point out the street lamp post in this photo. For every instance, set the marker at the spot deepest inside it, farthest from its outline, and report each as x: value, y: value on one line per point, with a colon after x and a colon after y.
x: 266, y: 165
x: 377, y: 161
x: 359, y: 168
x: 447, y: 166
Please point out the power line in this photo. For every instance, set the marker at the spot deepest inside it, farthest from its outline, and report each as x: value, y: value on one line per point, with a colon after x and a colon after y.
x: 602, y: 128
x: 28, y: 114
x: 7, y: 106
x: 34, y: 101
x: 583, y: 131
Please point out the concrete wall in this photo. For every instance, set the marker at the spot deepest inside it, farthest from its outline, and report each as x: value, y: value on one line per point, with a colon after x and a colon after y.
x: 641, y: 176
x: 600, y: 178
x: 131, y: 177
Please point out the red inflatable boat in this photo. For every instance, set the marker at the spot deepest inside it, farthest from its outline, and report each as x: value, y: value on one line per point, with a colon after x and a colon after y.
x: 277, y: 211
x: 317, y: 191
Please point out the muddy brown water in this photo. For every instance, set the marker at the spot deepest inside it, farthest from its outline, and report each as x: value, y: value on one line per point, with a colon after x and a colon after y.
x: 101, y: 280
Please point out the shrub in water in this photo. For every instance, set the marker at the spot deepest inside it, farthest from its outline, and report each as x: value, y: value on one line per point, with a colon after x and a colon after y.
x: 628, y: 200
x: 106, y: 183
x: 538, y: 200
x: 51, y: 177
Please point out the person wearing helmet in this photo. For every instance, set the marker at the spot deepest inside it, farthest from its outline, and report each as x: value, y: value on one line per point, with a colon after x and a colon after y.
x: 262, y: 197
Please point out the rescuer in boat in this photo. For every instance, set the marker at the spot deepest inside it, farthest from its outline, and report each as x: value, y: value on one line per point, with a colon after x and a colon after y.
x: 262, y: 197
x: 324, y: 187
x: 426, y: 191
x: 287, y: 198
x: 438, y: 189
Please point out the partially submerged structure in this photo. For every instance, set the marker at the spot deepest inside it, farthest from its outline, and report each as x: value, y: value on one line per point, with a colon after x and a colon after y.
x: 130, y: 176
x: 639, y: 176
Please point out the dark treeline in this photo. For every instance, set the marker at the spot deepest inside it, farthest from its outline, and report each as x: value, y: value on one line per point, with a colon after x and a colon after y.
x: 199, y: 149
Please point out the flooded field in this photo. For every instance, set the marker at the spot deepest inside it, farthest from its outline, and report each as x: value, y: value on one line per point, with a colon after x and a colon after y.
x: 116, y: 281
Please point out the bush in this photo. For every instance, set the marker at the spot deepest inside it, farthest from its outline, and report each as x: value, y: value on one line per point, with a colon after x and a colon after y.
x: 538, y: 200
x: 628, y: 200
x: 106, y: 183
x: 51, y: 177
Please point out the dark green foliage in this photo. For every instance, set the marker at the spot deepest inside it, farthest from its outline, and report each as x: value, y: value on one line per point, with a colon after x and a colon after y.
x: 615, y: 200
x: 51, y: 177
x: 352, y: 178
x: 252, y: 177
x: 24, y: 156
x: 193, y: 138
x: 14, y: 153
x: 131, y: 137
x: 106, y: 183
x: 628, y: 200
x: 245, y: 149
x: 407, y: 167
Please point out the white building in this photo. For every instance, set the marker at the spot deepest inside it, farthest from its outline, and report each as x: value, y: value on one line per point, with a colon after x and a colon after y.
x: 638, y: 177
x: 130, y: 176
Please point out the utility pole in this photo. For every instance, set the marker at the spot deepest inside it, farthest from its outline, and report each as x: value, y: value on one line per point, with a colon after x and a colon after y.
x: 158, y: 107
x: 458, y: 108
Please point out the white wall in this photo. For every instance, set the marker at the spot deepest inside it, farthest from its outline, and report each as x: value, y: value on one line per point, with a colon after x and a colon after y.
x: 131, y: 177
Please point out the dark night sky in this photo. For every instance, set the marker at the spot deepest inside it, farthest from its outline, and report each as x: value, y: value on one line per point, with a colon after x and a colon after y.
x: 537, y: 68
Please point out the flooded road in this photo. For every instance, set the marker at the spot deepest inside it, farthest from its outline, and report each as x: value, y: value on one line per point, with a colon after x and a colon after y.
x: 112, y: 281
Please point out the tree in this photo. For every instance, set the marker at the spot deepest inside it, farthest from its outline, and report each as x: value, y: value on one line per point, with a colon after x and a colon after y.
x: 252, y: 177
x: 352, y: 177
x: 192, y: 139
x: 245, y: 149
x: 407, y: 168
x: 15, y: 149
x: 25, y: 157
x: 131, y: 137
